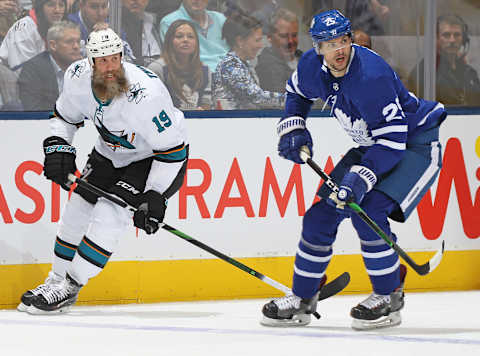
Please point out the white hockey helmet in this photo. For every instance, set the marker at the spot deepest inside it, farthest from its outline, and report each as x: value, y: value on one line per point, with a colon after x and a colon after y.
x: 103, y: 43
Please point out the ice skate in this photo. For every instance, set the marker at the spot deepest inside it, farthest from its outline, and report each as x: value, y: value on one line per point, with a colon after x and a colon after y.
x: 380, y: 311
x: 57, y: 298
x: 290, y: 310
x: 26, y: 299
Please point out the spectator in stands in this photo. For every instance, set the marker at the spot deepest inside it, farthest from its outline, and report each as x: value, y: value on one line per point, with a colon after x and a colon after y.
x: 370, y: 16
x: 90, y: 13
x: 235, y: 85
x: 186, y: 77
x: 277, y: 63
x: 26, y: 38
x: 139, y: 28
x: 209, y: 28
x: 361, y: 38
x: 457, y: 83
x: 261, y: 10
x: 9, y: 100
x: 41, y: 78
x: 162, y: 8
x: 9, y: 10
x: 27, y: 4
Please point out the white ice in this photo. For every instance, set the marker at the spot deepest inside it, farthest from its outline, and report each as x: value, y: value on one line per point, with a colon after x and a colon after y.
x: 440, y: 324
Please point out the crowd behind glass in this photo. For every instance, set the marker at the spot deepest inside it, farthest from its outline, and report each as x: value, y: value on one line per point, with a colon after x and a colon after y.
x: 226, y: 54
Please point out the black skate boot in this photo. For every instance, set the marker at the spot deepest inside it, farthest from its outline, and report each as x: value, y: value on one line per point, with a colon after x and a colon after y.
x: 26, y: 299
x: 290, y: 310
x: 58, y: 298
x: 380, y: 311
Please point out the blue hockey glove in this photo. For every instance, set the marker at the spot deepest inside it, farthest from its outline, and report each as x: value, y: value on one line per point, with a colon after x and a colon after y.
x: 293, y: 135
x: 355, y: 184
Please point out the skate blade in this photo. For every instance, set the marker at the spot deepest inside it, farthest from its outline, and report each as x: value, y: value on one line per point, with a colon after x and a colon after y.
x: 32, y: 310
x: 22, y: 307
x: 390, y: 320
x: 297, y: 320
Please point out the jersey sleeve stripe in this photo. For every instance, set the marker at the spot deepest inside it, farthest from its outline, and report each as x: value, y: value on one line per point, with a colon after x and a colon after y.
x: 175, y: 154
x: 55, y: 113
x: 437, y: 107
x: 392, y: 144
x: 289, y: 88
x: 389, y: 129
x: 294, y: 81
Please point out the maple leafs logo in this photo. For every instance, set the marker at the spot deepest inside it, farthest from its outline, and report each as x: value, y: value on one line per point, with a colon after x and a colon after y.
x: 358, y: 130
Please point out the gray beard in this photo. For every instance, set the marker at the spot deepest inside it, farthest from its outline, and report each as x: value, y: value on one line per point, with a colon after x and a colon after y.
x: 109, y: 90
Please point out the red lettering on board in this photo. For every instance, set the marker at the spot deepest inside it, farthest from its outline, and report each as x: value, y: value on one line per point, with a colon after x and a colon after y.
x: 270, y: 180
x: 7, y: 217
x: 196, y: 191
x: 225, y: 201
x: 432, y: 216
x: 30, y: 192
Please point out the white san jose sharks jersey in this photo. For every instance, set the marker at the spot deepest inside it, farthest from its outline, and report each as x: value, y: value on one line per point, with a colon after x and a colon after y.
x: 140, y: 124
x: 370, y: 103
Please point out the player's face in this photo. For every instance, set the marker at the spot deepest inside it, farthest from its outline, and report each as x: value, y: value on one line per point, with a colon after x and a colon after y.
x: 337, y: 54
x: 67, y: 48
x: 285, y: 38
x: 135, y: 6
x: 184, y: 41
x: 108, y: 79
x: 54, y: 10
x: 252, y: 44
x: 449, y: 38
x: 108, y: 66
x: 94, y: 11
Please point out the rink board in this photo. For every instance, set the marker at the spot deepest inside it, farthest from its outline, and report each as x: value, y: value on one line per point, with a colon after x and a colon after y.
x: 241, y: 199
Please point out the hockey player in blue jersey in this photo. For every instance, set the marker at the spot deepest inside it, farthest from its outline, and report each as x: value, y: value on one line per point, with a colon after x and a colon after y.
x: 397, y: 159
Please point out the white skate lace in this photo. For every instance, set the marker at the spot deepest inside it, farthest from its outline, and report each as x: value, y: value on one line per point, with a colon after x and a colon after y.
x: 56, y: 293
x: 374, y: 300
x: 288, y: 301
x: 49, y: 281
x: 40, y: 289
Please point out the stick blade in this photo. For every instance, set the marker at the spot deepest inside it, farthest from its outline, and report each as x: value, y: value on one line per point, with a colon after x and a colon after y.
x: 335, y: 286
x: 435, y: 261
x: 432, y: 264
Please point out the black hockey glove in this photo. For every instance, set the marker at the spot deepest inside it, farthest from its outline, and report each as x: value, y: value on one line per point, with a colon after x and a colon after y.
x: 152, y: 205
x: 59, y: 160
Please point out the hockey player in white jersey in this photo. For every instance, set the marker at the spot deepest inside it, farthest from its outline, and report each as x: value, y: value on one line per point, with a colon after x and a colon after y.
x: 140, y: 156
x: 397, y: 159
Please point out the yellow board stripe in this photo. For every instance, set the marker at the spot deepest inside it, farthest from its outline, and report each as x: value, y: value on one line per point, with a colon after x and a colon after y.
x: 200, y: 279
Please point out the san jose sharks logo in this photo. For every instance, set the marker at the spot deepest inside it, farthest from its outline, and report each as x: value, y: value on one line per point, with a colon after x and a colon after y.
x: 114, y: 139
x: 77, y: 69
x: 135, y: 93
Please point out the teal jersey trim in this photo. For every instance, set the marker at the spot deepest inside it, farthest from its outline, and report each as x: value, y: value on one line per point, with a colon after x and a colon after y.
x: 176, y: 154
x: 93, y: 253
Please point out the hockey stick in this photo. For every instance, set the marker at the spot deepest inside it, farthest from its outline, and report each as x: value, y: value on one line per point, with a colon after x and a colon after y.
x: 420, y: 269
x: 328, y: 290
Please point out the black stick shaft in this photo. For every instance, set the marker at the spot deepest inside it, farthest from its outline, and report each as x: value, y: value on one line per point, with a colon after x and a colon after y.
x: 420, y: 269
x: 101, y: 193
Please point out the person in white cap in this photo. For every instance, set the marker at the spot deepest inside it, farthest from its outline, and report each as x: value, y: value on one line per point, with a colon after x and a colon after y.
x: 140, y: 156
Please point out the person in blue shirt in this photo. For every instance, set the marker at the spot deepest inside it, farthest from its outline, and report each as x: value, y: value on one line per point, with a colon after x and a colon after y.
x: 397, y: 159
x: 208, y: 25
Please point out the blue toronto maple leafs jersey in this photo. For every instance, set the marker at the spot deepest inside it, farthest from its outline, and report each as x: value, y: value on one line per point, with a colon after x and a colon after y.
x: 369, y: 101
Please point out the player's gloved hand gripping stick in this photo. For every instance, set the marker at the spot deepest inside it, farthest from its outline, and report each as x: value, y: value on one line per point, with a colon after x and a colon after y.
x: 328, y: 289
x: 420, y: 269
